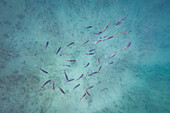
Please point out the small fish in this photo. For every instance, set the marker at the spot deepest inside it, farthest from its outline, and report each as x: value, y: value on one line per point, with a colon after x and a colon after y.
x: 105, y: 89
x: 66, y: 75
x: 92, y: 73
x: 46, y: 44
x: 97, y: 33
x: 87, y: 93
x: 98, y: 82
x: 109, y: 37
x: 89, y: 88
x: 86, y: 65
x: 67, y: 65
x: 112, y: 55
x: 97, y: 42
x: 85, y: 42
x: 53, y: 85
x: 58, y: 50
x: 119, y: 22
x: 89, y: 53
x: 104, y: 37
x: 88, y: 27
x: 108, y: 63
x: 63, y: 54
x: 70, y: 80
x: 92, y: 50
x: 106, y: 27
x: 80, y: 76
x: 82, y: 96
x: 123, y: 33
x: 45, y: 83
x: 61, y: 90
x: 44, y: 71
x: 70, y: 44
x: 70, y: 60
x: 76, y: 86
x: 99, y: 68
x: 129, y: 43
x: 98, y: 60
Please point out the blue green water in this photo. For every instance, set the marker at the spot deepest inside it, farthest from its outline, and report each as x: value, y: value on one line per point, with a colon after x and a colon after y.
x: 138, y: 81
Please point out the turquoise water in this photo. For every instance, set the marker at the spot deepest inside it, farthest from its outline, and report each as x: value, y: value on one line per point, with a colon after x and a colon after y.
x: 138, y: 80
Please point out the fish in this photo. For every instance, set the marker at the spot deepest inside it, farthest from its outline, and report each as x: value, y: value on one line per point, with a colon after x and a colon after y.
x: 82, y: 96
x: 70, y: 60
x: 92, y: 50
x: 86, y: 65
x: 70, y: 80
x: 76, y: 86
x: 46, y: 44
x: 97, y: 42
x: 112, y: 55
x: 85, y: 42
x: 45, y: 83
x: 89, y: 88
x: 108, y: 63
x: 98, y: 60
x: 97, y: 33
x: 61, y: 90
x: 108, y: 38
x: 89, y: 53
x: 66, y: 75
x: 67, y: 65
x: 104, y: 37
x: 106, y: 27
x: 129, y: 43
x: 70, y: 44
x: 87, y: 93
x: 63, y: 54
x: 105, y: 89
x: 98, y: 82
x: 123, y: 33
x: 120, y: 21
x: 44, y: 71
x: 80, y: 76
x: 53, y: 85
x: 88, y: 27
x: 92, y: 73
x: 99, y: 68
x: 58, y: 50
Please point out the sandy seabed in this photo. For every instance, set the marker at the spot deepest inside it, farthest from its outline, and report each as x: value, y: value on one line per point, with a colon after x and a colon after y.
x: 138, y: 81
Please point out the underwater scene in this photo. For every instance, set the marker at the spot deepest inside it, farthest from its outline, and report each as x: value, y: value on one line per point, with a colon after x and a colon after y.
x: 84, y: 56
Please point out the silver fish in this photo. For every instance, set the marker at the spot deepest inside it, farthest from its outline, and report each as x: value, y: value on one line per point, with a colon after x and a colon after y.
x: 76, y: 86
x: 112, y: 55
x: 70, y: 44
x: 85, y: 42
x: 92, y: 73
x: 83, y: 96
x: 98, y: 59
x: 99, y: 68
x: 108, y: 63
x: 89, y: 53
x: 97, y: 42
x: 89, y: 88
x: 58, y: 50
x: 129, y: 43
x: 80, y: 76
x: 88, y: 93
x: 45, y: 83
x: 86, y: 65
